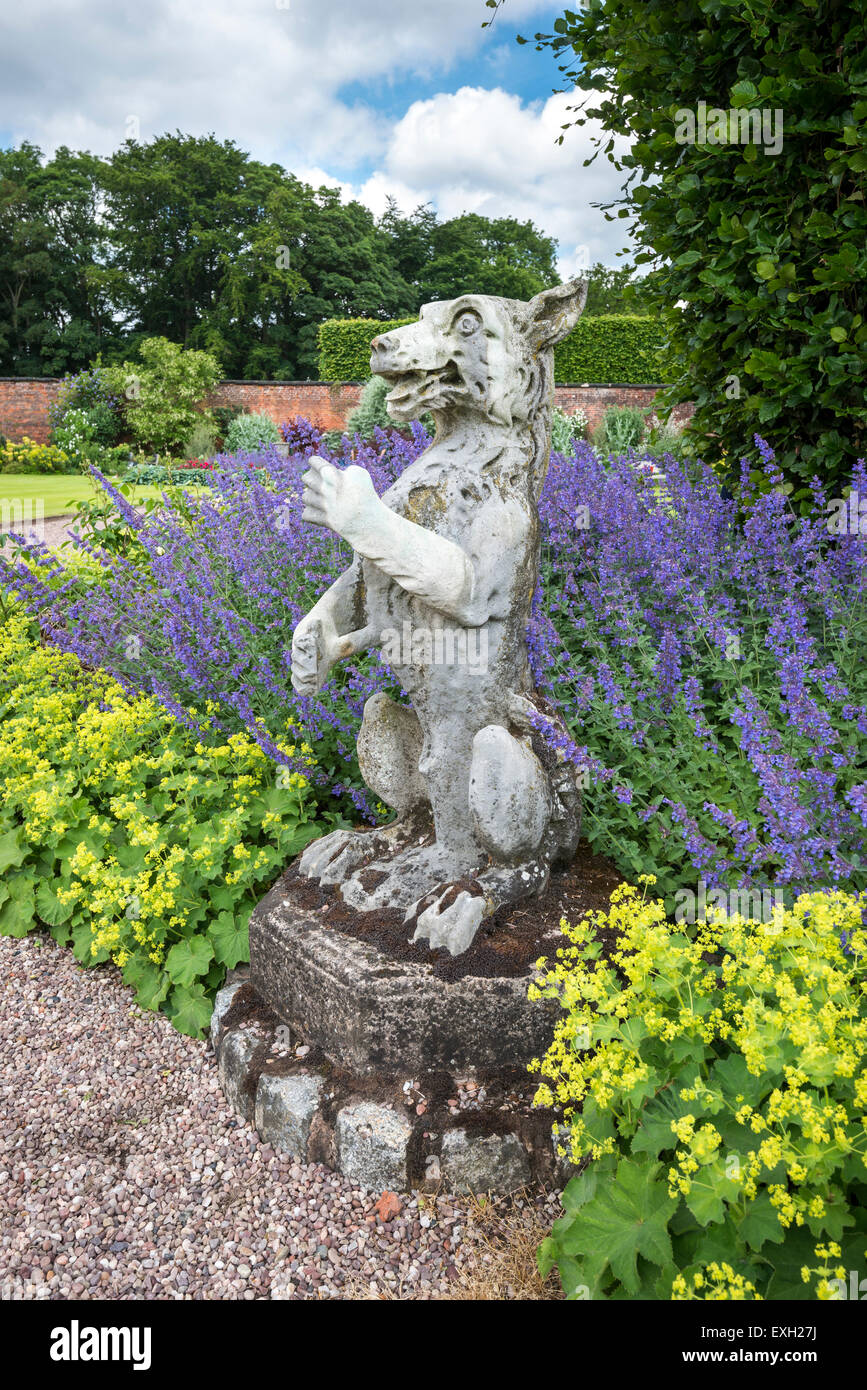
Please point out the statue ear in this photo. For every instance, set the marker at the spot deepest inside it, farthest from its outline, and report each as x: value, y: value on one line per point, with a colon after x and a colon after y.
x: 555, y: 312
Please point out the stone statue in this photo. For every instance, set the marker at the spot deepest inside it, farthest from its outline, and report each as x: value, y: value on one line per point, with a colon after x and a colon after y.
x: 444, y: 570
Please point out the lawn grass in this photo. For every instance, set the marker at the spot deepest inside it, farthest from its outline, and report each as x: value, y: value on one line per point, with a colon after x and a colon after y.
x: 59, y: 493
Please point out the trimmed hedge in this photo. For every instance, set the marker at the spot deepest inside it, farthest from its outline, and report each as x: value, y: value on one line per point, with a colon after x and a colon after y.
x: 612, y: 347
x: 344, y: 346
x: 608, y: 348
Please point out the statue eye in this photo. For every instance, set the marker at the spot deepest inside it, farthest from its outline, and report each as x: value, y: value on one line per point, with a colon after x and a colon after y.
x: 468, y: 323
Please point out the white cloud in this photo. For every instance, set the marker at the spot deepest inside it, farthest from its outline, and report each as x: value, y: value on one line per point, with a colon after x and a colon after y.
x: 266, y: 75
x: 480, y: 150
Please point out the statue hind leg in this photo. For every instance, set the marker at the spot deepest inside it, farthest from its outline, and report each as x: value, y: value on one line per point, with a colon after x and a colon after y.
x: 527, y: 815
x: 389, y: 752
x: 395, y: 880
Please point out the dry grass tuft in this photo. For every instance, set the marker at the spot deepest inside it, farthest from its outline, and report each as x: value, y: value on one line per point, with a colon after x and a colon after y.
x: 505, y: 1234
x: 498, y: 1256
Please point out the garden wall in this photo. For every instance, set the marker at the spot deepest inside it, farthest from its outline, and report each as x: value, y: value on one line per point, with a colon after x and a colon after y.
x: 24, y: 401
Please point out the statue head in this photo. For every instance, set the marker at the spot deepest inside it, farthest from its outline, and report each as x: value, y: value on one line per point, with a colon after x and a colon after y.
x: 478, y: 354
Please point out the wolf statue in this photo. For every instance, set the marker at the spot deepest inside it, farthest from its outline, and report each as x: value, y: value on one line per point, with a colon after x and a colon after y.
x: 448, y: 560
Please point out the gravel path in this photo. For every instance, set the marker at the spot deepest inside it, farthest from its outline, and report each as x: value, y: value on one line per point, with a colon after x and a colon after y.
x: 54, y: 530
x: 123, y: 1175
x: 57, y: 530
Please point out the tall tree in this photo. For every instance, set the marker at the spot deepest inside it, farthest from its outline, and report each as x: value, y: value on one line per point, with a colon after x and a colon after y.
x: 189, y: 239
x: 54, y: 315
x: 346, y: 260
x: 181, y: 211
x: 615, y: 290
x: 482, y: 255
x: 410, y: 240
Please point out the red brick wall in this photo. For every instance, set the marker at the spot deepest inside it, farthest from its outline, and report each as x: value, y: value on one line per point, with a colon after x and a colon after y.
x: 594, y: 400
x: 325, y: 403
x: 24, y: 401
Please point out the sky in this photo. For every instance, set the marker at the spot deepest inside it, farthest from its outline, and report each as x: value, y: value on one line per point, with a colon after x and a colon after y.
x: 408, y: 98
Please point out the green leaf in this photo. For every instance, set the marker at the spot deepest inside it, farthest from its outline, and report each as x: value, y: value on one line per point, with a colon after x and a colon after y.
x: 150, y: 981
x: 223, y: 898
x: 191, y: 1010
x: 582, y: 1188
x: 189, y: 958
x: 735, y: 1078
x: 766, y: 269
x: 705, y: 1204
x: 49, y: 907
x: 18, y: 915
x: 546, y: 1256
x: 13, y: 849
x: 82, y: 944
x: 654, y: 1129
x: 231, y: 939
x: 760, y: 1223
x: 744, y: 93
x: 626, y: 1218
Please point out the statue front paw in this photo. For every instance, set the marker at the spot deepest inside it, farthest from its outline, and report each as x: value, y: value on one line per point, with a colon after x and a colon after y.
x: 309, y: 669
x: 339, y: 498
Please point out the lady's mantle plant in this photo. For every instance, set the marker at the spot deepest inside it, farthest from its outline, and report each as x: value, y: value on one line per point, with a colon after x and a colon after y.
x: 130, y: 837
x: 718, y: 1086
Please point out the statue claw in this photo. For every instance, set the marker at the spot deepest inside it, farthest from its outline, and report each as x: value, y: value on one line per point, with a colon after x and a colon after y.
x: 454, y: 926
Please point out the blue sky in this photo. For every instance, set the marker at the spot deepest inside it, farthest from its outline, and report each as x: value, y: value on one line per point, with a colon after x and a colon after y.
x: 499, y: 61
x: 378, y: 97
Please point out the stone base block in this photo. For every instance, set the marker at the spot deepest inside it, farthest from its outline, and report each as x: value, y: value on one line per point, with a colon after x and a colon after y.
x: 285, y: 1109
x: 397, y: 1073
x: 496, y: 1162
x: 478, y: 1133
x: 372, y: 1145
x: 238, y: 1049
x: 377, y: 1015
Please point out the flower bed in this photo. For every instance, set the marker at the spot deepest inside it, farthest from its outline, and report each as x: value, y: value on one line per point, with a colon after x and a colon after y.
x: 705, y: 654
x: 130, y: 837
x: 718, y: 1081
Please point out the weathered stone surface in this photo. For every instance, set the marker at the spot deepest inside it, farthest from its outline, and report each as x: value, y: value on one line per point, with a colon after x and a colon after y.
x: 445, y: 565
x: 285, y: 1107
x: 389, y: 750
x: 509, y: 796
x: 483, y: 1163
x: 372, y: 1014
x: 237, y: 1049
x: 372, y: 1144
x: 222, y: 1004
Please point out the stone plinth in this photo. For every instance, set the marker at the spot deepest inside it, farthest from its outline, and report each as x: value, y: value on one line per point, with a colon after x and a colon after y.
x: 378, y: 1067
x: 373, y: 1014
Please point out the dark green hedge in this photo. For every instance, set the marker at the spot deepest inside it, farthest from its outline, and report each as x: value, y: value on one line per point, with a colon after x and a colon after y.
x: 344, y: 346
x: 612, y: 347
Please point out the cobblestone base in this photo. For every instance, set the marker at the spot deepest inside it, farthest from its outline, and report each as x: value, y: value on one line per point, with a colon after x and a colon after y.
x: 464, y: 1133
